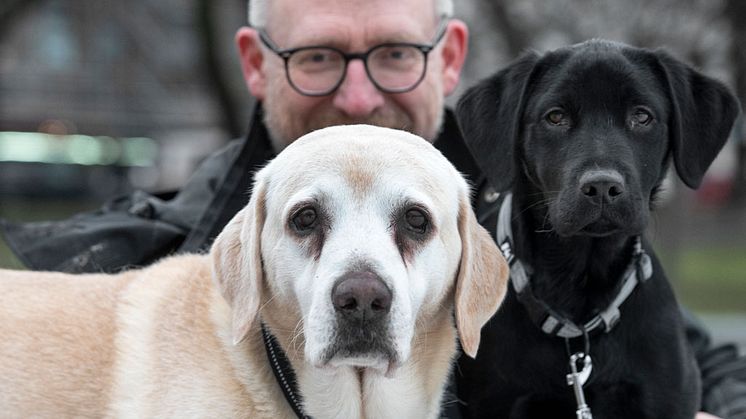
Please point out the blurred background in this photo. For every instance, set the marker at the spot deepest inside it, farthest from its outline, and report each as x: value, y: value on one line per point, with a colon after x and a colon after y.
x: 100, y: 98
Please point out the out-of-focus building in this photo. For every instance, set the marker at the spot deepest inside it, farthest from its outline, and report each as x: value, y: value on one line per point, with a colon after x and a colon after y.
x: 104, y: 79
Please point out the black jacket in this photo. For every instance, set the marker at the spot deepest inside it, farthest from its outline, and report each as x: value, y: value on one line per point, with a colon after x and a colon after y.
x: 138, y: 229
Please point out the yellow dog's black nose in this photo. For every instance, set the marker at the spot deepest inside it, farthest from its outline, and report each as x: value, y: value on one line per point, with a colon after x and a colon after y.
x: 361, y: 296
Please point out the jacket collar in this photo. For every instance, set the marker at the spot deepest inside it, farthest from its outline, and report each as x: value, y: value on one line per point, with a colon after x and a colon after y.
x: 234, y: 185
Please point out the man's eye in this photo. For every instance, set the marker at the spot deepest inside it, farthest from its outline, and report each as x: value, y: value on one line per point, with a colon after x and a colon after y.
x: 396, y: 54
x: 315, y: 57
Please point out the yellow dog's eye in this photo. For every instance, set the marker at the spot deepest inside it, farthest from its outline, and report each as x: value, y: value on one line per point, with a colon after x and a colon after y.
x: 305, y: 219
x: 416, y: 220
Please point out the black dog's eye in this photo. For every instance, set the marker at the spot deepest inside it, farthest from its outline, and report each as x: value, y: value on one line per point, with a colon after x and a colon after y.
x: 556, y: 117
x: 305, y: 219
x: 416, y: 220
x: 641, y: 117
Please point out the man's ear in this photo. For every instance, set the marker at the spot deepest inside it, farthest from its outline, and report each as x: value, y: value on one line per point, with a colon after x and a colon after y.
x: 482, y: 279
x: 453, y: 54
x: 237, y: 263
x: 702, y: 114
x: 252, y: 57
x: 490, y: 114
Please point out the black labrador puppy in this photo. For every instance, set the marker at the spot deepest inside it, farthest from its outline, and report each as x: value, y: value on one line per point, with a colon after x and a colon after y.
x: 577, y: 141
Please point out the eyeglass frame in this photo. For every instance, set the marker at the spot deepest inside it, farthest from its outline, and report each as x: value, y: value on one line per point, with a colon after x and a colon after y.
x: 285, y: 54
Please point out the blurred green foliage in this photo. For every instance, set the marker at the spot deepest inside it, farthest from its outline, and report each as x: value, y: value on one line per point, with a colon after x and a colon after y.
x: 712, y: 279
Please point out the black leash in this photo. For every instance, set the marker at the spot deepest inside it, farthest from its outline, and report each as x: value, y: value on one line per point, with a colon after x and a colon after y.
x: 284, y: 373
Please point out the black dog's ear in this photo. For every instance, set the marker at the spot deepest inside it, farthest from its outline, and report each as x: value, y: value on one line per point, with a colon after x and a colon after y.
x: 702, y: 115
x: 489, y: 115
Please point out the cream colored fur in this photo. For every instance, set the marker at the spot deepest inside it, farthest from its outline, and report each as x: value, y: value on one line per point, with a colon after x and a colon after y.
x: 181, y: 338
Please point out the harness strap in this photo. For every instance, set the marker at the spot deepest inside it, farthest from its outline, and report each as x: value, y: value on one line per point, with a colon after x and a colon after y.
x: 639, y: 270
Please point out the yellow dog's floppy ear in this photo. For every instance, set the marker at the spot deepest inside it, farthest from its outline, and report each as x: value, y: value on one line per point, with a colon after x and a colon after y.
x: 237, y: 262
x: 482, y: 279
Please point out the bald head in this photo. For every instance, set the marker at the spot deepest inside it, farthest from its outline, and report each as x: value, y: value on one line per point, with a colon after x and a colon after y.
x: 259, y: 10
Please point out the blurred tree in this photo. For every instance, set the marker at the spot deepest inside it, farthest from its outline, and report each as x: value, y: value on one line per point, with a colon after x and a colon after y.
x: 206, y: 25
x: 691, y: 28
x: 11, y: 10
x: 735, y: 11
x: 514, y: 35
x: 694, y: 30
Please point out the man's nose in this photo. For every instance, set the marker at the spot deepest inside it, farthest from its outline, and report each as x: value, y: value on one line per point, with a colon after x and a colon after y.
x: 357, y: 96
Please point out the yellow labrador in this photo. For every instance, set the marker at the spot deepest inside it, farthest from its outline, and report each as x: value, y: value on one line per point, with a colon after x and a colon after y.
x: 356, y: 249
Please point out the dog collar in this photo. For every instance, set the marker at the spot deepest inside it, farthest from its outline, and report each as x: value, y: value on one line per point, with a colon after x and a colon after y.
x: 284, y: 373
x: 549, y: 321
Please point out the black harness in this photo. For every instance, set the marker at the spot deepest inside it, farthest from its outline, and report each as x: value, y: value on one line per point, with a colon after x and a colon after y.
x: 547, y: 319
x: 639, y: 270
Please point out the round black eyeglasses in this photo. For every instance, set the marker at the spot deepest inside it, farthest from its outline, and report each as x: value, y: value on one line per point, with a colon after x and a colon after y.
x: 395, y: 67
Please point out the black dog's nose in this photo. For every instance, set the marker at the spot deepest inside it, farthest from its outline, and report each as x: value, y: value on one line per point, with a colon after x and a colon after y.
x: 361, y: 296
x: 602, y: 186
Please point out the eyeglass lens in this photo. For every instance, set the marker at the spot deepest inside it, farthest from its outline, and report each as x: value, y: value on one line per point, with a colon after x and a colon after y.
x: 391, y: 67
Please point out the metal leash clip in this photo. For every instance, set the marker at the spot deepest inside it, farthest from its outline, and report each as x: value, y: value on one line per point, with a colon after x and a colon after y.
x: 577, y: 380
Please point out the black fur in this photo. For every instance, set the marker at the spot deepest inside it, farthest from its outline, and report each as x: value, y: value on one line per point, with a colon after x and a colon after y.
x: 579, y: 243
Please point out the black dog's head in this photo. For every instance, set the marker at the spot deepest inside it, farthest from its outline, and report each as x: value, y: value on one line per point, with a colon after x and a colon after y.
x: 588, y: 131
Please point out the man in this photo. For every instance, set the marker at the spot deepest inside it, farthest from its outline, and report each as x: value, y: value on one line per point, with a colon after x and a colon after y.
x: 139, y: 229
x: 383, y: 62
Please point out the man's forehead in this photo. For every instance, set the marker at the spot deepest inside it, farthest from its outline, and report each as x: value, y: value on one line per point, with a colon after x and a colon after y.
x: 351, y: 23
x: 348, y: 7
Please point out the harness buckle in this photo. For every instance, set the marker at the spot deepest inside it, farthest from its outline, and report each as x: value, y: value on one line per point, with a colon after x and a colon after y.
x: 507, y: 252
